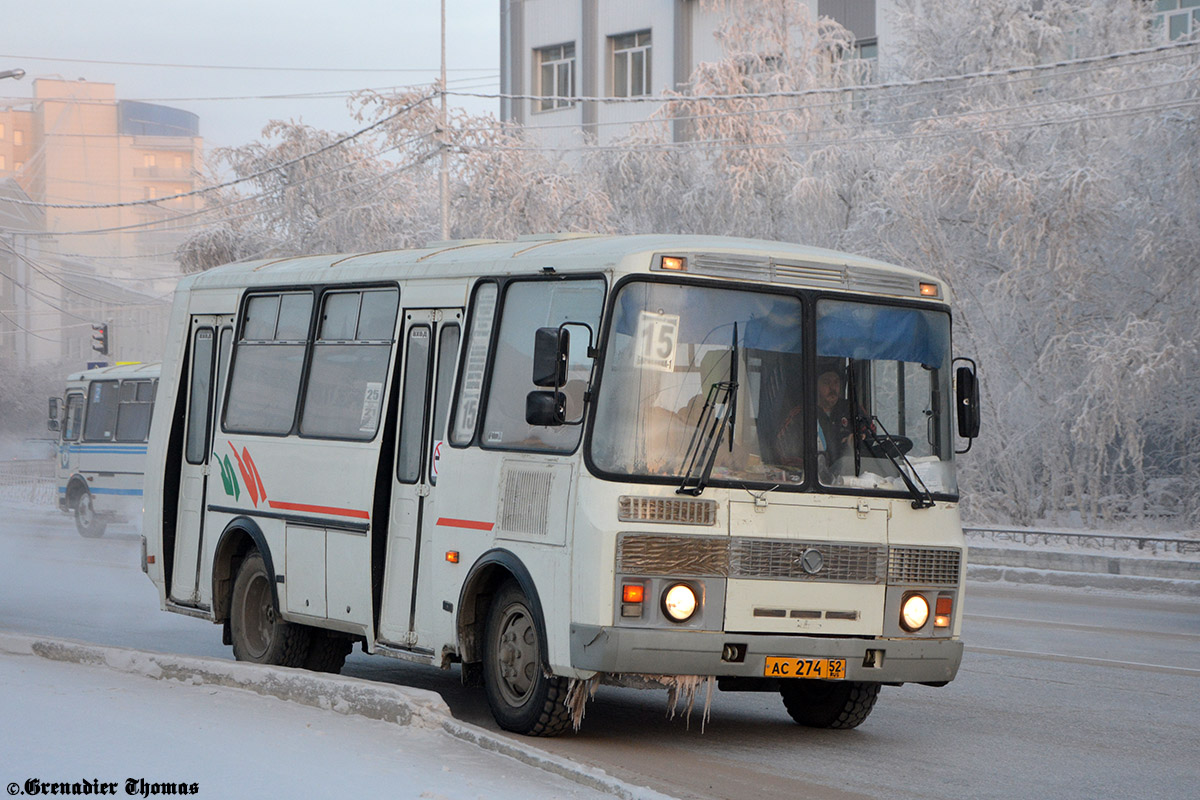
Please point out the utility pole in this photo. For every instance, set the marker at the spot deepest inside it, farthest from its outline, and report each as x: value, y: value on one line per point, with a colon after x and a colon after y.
x: 444, y: 176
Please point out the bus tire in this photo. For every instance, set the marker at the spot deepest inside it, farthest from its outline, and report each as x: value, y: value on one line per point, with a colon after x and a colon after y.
x: 327, y: 651
x: 829, y: 704
x: 260, y: 635
x: 87, y: 521
x: 523, y: 697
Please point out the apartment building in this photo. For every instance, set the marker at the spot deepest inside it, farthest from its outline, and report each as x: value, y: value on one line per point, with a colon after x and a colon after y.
x: 75, y: 144
x: 556, y: 49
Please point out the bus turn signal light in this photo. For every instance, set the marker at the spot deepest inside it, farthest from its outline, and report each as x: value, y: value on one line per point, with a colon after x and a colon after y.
x: 942, y: 611
x: 452, y: 556
x: 633, y: 593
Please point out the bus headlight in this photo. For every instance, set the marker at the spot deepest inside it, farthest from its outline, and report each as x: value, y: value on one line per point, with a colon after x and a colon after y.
x: 679, y: 602
x: 914, y: 612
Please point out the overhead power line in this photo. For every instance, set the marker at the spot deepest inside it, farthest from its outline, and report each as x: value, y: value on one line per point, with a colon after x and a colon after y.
x: 865, y: 87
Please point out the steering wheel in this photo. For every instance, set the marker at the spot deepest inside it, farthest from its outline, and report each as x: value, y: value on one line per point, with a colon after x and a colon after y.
x: 881, y: 446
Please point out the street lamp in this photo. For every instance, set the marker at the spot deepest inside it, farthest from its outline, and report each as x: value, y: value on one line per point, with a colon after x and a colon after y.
x: 12, y: 73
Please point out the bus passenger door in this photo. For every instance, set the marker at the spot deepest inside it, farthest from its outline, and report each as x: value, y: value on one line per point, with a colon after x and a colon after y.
x: 208, y: 360
x: 431, y: 339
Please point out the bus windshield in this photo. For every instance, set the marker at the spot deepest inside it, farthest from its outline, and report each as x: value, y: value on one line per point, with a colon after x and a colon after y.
x: 671, y: 344
x: 882, y: 398
x: 668, y: 346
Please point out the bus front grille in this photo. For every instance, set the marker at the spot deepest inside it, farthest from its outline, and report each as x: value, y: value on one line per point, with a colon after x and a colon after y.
x: 924, y: 566
x: 774, y: 559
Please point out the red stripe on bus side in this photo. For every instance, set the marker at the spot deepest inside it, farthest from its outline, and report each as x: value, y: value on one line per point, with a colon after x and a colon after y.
x: 465, y: 523
x: 338, y: 512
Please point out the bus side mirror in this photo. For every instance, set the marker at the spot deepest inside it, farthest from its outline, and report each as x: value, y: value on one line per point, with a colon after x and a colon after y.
x: 52, y: 421
x: 545, y: 408
x: 967, y: 401
x: 550, y: 348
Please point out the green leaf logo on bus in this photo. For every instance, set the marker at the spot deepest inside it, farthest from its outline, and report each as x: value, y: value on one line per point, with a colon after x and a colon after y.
x: 246, y: 466
x: 228, y: 478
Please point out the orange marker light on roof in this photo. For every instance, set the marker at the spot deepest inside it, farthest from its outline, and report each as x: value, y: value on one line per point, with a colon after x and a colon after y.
x: 674, y: 263
x: 929, y: 290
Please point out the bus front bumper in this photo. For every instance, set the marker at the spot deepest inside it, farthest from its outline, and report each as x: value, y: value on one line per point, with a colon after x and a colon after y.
x: 659, y: 652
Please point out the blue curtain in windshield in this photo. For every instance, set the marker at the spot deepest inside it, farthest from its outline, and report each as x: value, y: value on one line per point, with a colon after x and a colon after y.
x: 882, y: 333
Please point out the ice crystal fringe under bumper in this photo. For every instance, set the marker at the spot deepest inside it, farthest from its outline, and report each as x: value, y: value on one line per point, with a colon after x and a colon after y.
x: 624, y: 650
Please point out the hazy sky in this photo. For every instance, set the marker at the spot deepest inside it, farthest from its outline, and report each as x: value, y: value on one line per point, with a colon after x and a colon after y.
x: 380, y: 36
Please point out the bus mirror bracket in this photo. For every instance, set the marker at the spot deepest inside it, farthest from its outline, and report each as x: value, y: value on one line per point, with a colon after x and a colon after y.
x: 52, y: 420
x: 966, y: 383
x: 551, y: 355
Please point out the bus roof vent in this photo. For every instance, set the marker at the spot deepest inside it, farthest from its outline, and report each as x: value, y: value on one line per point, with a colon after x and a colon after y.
x: 666, y: 509
x: 868, y: 279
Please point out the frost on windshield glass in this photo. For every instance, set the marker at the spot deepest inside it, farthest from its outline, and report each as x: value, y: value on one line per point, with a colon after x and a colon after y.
x: 882, y: 397
x: 668, y: 347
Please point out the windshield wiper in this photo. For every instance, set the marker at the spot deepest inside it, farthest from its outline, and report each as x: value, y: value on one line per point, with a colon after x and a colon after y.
x: 922, y: 498
x: 719, y: 413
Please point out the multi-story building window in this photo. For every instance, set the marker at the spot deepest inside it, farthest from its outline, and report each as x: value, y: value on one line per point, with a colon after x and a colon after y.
x: 148, y: 160
x: 630, y: 64
x: 18, y: 138
x: 556, y: 76
x: 1180, y: 18
x: 1, y: 130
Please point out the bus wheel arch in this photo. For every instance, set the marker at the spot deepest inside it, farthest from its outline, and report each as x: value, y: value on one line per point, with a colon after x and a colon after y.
x: 237, y: 540
x: 491, y: 571
x: 76, y: 488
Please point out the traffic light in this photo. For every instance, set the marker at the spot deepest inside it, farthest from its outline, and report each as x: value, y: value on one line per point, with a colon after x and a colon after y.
x: 100, y: 338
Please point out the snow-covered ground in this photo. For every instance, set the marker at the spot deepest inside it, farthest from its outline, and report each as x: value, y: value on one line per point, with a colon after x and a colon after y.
x: 121, y: 714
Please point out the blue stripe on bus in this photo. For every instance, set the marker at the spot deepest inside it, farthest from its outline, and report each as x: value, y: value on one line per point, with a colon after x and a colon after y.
x: 116, y: 449
x: 94, y: 490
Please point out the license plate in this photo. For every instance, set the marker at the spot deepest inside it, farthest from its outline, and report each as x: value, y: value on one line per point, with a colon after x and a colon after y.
x: 833, y: 668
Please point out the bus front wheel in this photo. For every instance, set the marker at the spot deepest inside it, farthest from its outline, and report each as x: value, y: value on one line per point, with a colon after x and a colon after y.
x: 259, y: 633
x: 87, y: 521
x: 829, y: 704
x: 523, y: 698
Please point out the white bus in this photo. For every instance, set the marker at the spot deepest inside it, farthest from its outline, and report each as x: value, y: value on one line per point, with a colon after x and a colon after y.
x: 568, y: 459
x: 103, y: 423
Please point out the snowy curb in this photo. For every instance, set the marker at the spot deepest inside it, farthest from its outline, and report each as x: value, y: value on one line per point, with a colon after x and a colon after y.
x: 351, y: 696
x: 984, y: 573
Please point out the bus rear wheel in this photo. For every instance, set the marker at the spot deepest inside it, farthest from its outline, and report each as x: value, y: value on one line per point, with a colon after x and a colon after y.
x: 87, y: 521
x: 829, y: 704
x: 523, y: 698
x: 259, y: 633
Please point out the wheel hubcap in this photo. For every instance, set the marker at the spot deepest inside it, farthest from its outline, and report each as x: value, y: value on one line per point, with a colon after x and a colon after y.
x: 517, y: 654
x: 258, y: 616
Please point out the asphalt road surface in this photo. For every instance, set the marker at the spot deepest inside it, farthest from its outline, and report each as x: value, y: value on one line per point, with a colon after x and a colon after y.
x: 1062, y: 693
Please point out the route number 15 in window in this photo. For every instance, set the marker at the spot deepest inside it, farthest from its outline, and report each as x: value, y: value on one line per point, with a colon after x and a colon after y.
x: 657, y: 338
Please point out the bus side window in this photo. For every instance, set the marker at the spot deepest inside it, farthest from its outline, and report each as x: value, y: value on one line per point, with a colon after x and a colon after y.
x: 470, y: 391
x: 264, y: 384
x: 133, y: 411
x: 529, y: 305
x: 344, y: 395
x: 447, y: 350
x: 412, y: 411
x: 101, y: 411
